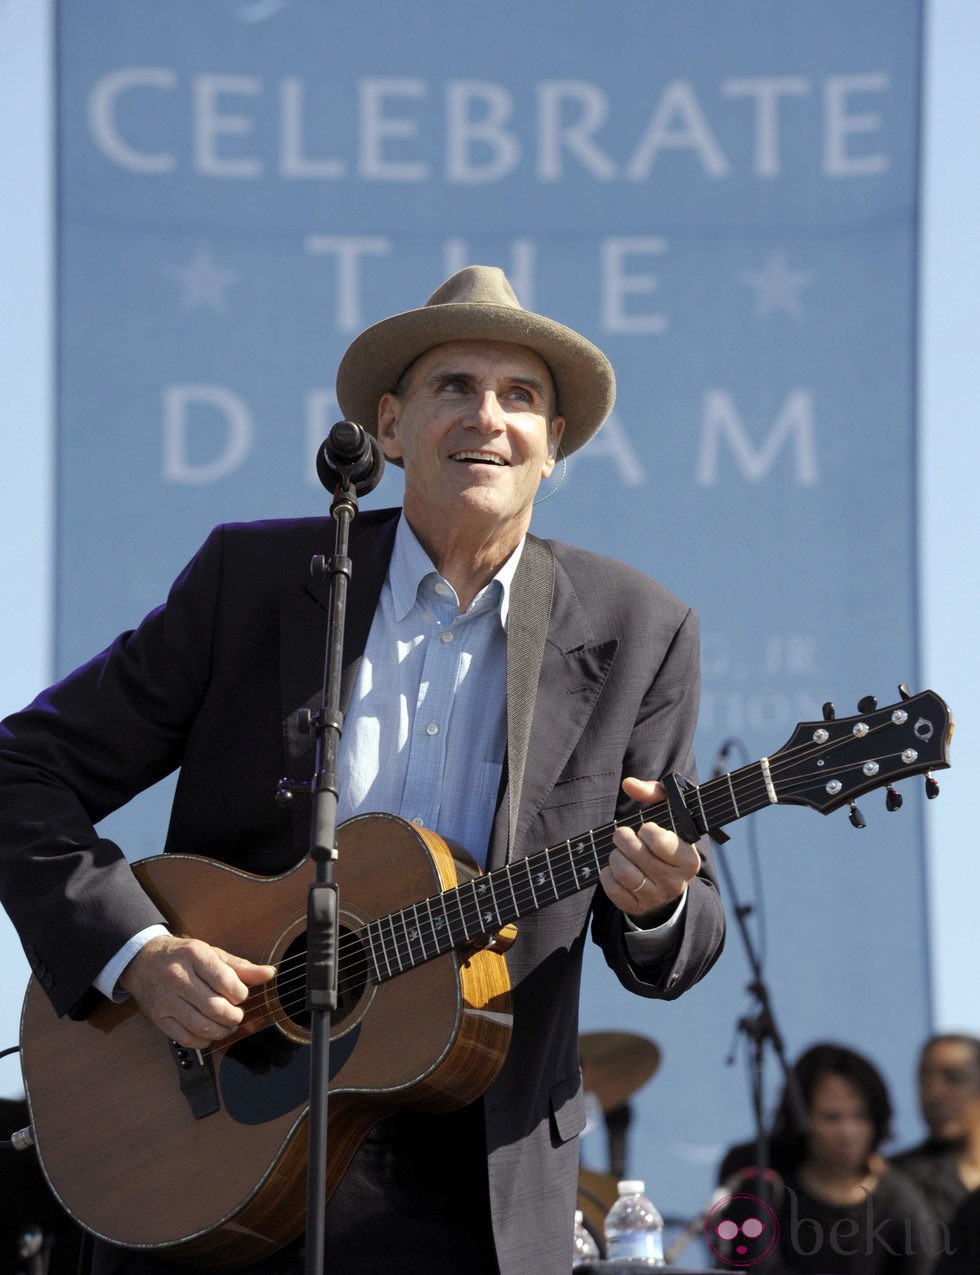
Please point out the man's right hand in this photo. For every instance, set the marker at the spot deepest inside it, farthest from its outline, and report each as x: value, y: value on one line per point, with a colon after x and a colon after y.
x: 190, y: 990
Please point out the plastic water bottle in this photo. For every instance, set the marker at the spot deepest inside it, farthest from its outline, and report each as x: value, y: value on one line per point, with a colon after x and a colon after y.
x: 634, y: 1229
x: 586, y: 1249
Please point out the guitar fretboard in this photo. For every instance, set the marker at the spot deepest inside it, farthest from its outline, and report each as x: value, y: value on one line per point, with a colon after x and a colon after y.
x: 468, y: 913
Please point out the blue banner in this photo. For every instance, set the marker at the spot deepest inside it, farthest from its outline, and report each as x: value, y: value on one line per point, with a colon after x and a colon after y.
x: 724, y: 198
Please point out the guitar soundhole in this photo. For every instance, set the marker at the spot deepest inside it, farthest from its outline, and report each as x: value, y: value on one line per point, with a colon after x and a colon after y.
x: 351, y: 979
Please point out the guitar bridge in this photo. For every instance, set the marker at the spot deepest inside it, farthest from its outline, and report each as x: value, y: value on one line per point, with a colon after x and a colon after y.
x: 196, y: 1080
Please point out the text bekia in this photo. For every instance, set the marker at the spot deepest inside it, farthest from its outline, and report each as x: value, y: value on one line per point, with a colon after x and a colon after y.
x: 846, y: 1237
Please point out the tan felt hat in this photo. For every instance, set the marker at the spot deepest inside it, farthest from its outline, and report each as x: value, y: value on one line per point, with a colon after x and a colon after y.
x: 478, y: 303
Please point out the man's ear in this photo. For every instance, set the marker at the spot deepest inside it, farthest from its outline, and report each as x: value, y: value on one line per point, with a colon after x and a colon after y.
x: 389, y: 416
x: 555, y: 430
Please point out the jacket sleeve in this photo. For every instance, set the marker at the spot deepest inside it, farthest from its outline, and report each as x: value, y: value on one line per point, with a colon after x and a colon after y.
x: 662, y: 743
x: 81, y: 750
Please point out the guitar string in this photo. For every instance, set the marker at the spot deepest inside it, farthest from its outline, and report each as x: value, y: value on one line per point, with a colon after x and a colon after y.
x: 403, y: 943
x: 292, y: 971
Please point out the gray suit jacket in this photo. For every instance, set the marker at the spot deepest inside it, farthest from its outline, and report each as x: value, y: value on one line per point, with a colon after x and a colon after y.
x: 191, y: 688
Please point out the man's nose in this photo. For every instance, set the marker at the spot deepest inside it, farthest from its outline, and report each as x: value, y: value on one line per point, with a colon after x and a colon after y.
x: 489, y: 412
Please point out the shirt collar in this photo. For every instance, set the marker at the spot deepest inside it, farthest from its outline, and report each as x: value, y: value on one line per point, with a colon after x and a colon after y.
x: 410, y: 565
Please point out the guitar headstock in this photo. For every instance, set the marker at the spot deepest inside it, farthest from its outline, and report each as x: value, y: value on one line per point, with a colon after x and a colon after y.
x: 827, y: 764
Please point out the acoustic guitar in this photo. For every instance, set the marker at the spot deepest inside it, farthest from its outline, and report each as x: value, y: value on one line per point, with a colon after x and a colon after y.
x: 202, y: 1155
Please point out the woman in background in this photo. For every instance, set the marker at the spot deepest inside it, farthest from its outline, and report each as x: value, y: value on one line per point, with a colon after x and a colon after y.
x: 841, y: 1209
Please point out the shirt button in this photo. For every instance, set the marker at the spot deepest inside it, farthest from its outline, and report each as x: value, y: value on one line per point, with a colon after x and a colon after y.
x: 447, y: 636
x: 418, y: 821
x: 441, y: 589
x: 432, y: 728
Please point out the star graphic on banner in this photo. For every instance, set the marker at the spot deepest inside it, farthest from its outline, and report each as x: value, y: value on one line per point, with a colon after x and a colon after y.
x: 777, y: 287
x: 204, y: 282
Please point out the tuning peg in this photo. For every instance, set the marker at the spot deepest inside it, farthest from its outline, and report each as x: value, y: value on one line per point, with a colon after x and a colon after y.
x: 868, y: 704
x: 932, y: 787
x: 829, y: 712
x: 856, y: 818
x: 893, y: 799
x: 904, y: 691
x: 284, y: 794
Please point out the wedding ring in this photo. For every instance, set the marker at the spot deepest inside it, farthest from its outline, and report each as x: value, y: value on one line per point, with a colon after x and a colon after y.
x: 639, y: 887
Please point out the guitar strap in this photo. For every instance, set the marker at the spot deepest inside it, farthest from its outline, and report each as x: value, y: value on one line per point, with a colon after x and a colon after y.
x: 527, y: 626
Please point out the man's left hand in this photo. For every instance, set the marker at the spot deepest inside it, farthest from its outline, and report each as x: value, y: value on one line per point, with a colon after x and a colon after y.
x: 650, y: 868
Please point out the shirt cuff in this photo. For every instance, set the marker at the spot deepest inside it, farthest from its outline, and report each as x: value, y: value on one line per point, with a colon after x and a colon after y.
x: 646, y: 946
x: 105, y: 981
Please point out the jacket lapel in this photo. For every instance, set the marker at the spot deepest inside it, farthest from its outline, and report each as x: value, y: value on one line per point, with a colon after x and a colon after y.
x: 574, y: 668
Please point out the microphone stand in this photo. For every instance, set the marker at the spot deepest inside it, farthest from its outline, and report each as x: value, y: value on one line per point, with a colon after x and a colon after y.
x: 761, y: 1027
x: 323, y: 899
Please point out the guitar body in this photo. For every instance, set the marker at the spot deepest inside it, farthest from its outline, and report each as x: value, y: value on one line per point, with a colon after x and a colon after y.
x: 118, y: 1136
x: 204, y: 1158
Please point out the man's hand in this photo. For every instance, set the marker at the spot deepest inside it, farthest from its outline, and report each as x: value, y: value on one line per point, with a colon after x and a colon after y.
x: 650, y: 868
x: 190, y: 990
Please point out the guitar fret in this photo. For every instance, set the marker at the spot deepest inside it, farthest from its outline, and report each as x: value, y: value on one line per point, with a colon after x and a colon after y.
x: 530, y: 882
x: 510, y: 885
x: 419, y: 935
x: 464, y: 933
x: 487, y: 917
x: 704, y: 817
x: 588, y: 871
x: 731, y: 791
x: 440, y: 924
x: 394, y: 940
x: 370, y: 932
x: 408, y: 941
x: 554, y: 884
x: 432, y: 929
x: 384, y: 949
x: 413, y: 935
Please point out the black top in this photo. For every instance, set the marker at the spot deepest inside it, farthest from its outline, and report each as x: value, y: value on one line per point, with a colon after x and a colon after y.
x: 932, y: 1167
x: 891, y: 1233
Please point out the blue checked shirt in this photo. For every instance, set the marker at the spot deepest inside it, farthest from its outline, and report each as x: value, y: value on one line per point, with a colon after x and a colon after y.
x: 426, y: 729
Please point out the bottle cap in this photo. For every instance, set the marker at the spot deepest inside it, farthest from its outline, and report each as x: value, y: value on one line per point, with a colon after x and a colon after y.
x: 631, y: 1186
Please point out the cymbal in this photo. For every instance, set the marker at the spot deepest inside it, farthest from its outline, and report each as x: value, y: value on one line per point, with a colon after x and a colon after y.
x: 616, y: 1064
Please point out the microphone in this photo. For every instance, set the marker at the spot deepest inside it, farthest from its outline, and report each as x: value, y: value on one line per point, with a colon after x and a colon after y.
x: 722, y: 758
x: 350, y: 456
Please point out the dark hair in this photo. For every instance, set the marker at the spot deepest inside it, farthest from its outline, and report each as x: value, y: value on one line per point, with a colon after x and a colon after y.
x: 828, y: 1059
x: 953, y: 1038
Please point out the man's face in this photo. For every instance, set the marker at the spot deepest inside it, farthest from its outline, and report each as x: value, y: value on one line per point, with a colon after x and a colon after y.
x: 949, y: 1090
x: 472, y: 429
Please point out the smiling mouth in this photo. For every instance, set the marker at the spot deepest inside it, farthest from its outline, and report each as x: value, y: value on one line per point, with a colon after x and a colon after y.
x: 479, y: 458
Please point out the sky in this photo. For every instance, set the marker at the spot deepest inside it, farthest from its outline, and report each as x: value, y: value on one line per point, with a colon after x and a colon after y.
x: 949, y: 452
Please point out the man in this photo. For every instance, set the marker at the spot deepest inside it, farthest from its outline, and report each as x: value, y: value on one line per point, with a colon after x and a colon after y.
x: 480, y: 664
x: 946, y: 1166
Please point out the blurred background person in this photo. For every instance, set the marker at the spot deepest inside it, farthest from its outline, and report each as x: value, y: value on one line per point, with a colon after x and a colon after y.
x: 841, y: 1208
x: 946, y: 1165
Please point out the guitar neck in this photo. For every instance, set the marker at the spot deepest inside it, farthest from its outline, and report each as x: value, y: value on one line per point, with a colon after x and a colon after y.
x: 468, y: 913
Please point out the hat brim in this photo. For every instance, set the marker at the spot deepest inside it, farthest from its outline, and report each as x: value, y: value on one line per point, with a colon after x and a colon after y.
x: 585, y: 384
